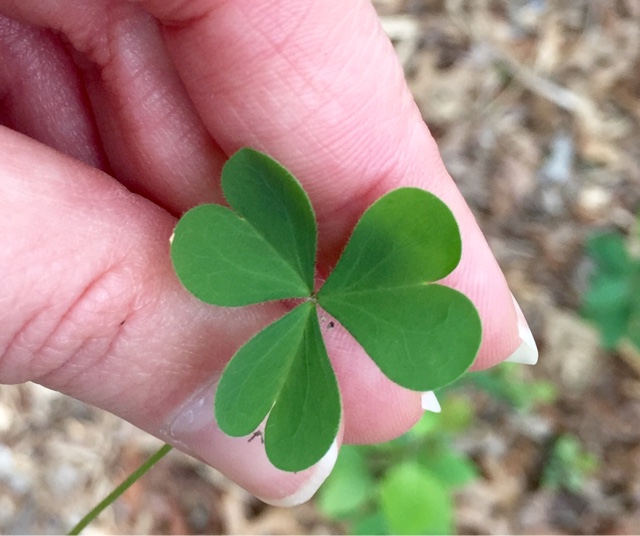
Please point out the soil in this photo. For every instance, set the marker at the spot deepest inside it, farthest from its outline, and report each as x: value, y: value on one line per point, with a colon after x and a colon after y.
x: 535, y: 105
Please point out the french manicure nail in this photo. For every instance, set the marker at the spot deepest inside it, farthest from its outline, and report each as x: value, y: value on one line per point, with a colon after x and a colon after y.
x: 527, y: 352
x: 430, y: 402
x: 195, y: 431
x: 320, y: 473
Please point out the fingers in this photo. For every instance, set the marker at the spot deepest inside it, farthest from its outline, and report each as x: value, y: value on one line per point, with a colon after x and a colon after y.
x: 317, y: 86
x: 155, y: 142
x: 42, y: 93
x: 91, y: 307
x: 244, y: 460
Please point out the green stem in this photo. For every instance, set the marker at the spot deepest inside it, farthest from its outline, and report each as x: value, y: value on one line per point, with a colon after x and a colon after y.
x: 131, y: 479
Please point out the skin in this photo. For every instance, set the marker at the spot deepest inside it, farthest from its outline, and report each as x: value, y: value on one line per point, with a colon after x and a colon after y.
x: 118, y: 117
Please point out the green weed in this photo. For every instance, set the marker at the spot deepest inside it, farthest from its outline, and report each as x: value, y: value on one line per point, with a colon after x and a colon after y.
x: 612, y: 301
x: 404, y: 486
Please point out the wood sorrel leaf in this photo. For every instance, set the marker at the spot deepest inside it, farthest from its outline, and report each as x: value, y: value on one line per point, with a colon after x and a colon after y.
x: 421, y: 335
x: 263, y: 251
x: 283, y: 370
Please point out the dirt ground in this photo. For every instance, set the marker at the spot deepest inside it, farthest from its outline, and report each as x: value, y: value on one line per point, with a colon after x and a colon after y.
x: 535, y: 105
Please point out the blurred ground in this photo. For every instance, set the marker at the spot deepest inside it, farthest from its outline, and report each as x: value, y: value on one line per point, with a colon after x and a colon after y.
x: 536, y: 108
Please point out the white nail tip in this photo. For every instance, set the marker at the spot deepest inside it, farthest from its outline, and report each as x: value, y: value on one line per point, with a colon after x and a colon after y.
x: 430, y: 402
x: 322, y: 470
x: 527, y: 352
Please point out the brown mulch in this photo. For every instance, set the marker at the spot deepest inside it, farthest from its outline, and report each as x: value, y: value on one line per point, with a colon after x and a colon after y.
x: 535, y: 105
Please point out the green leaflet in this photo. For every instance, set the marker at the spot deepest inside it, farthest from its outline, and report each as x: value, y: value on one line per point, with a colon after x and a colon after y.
x: 305, y: 418
x: 286, y: 364
x: 254, y: 377
x: 406, y: 237
x: 262, y: 250
x: 421, y: 335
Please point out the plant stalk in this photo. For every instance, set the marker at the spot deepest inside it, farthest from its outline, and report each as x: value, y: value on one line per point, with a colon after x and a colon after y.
x: 130, y: 480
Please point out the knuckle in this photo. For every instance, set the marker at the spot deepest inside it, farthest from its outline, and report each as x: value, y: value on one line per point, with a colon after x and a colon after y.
x: 71, y: 330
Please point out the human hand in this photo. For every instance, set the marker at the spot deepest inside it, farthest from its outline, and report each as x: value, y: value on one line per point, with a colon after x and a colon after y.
x: 151, y: 97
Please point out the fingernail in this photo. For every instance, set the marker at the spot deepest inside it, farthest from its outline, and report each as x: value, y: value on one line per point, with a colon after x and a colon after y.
x: 320, y: 473
x: 242, y: 459
x: 527, y: 352
x: 430, y: 402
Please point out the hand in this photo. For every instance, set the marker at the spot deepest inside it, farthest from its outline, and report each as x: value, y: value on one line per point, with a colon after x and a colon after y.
x: 107, y: 97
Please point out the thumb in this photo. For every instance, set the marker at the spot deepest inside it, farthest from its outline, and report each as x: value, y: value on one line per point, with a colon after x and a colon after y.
x: 91, y: 308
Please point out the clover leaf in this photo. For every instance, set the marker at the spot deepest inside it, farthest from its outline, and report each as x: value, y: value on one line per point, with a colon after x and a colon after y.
x: 422, y: 335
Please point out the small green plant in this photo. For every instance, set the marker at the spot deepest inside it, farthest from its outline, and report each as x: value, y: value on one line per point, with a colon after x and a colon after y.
x: 422, y: 335
x: 404, y: 486
x: 612, y: 300
x: 568, y: 464
x: 509, y: 383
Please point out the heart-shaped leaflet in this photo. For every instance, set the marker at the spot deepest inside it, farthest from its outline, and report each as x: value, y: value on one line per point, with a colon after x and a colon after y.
x: 422, y: 335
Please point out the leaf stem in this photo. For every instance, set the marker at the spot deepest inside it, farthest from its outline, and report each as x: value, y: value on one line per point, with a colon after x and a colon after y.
x: 129, y: 481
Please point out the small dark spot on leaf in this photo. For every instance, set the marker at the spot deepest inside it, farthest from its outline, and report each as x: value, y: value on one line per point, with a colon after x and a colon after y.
x: 122, y: 323
x: 257, y: 433
x: 331, y: 324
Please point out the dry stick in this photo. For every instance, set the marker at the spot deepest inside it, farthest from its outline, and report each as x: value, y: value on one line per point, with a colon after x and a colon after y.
x: 131, y: 479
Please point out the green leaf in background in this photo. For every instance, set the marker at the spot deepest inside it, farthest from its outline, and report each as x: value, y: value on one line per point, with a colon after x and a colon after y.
x: 508, y: 383
x: 607, y: 292
x: 372, y: 524
x: 422, y: 336
x: 609, y: 252
x: 455, y: 417
x: 426, y: 426
x: 283, y: 370
x: 414, y: 501
x: 263, y: 251
x: 453, y: 470
x: 457, y: 414
x: 608, y: 301
x: 634, y: 322
x: 611, y: 323
x: 349, y: 485
x: 612, y: 300
x: 568, y: 464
